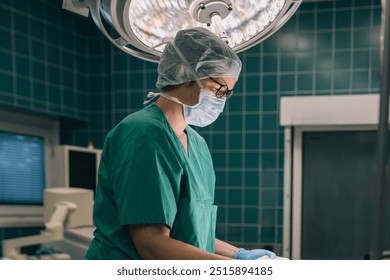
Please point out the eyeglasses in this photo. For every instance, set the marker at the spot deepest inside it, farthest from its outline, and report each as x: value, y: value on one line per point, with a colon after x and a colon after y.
x: 223, y: 90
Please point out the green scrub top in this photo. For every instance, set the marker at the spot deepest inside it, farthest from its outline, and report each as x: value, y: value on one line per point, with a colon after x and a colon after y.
x: 146, y: 177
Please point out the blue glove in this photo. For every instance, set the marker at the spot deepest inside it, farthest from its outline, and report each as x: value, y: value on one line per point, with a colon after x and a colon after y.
x: 254, y: 254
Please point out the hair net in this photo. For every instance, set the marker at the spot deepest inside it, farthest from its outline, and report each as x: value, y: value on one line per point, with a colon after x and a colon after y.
x: 195, y: 54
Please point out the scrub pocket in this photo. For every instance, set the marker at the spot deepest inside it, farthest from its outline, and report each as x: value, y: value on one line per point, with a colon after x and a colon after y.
x: 195, y: 223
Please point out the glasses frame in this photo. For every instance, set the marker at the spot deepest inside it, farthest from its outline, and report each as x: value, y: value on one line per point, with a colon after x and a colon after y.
x: 226, y: 93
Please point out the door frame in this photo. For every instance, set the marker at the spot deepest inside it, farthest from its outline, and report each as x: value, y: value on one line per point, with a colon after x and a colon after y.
x: 309, y: 114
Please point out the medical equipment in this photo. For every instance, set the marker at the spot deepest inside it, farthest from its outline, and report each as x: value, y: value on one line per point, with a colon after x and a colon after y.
x: 143, y: 27
x: 64, y: 208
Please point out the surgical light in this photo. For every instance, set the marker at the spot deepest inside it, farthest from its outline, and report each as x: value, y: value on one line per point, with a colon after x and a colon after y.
x: 143, y: 27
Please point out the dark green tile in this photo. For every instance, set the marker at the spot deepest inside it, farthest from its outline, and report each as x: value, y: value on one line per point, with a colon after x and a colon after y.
x: 342, y: 60
x: 236, y: 104
x: 324, y: 61
x: 306, y: 41
x: 344, y: 4
x: 219, y: 141
x: 324, y: 41
x: 252, y: 64
x: 269, y: 178
x: 269, y: 102
x: 53, y: 55
x: 38, y: 50
x: 341, y: 79
x: 252, y: 141
x: 323, y: 80
x: 68, y: 79
x: 252, y: 103
x: 54, y: 95
x: 251, y: 234
x: 288, y: 62
x: 253, y: 83
x: 343, y: 19
x: 235, y: 198
x: 342, y: 39
x: 270, y: 83
x: 267, y: 234
x: 268, y: 159
x: 235, y: 159
x: 6, y: 98
x: 120, y: 82
x: 220, y: 178
x: 5, y: 40
x: 305, y: 61
x: 362, y: 18
x: 325, y: 5
x: 23, y: 87
x: 136, y: 81
x: 5, y: 18
x: 6, y: 61
x: 252, y: 177
x: 306, y: 21
x: 68, y: 60
x: 219, y: 159
x: 235, y: 123
x: 251, y: 215
x: 235, y: 139
x: 360, y: 79
x: 234, y: 215
x: 270, y: 63
x: 120, y: 101
x: 234, y: 179
x: 252, y: 122
x: 252, y: 161
x: 271, y: 44
x: 268, y: 141
x: 39, y: 92
x: 234, y: 233
x: 287, y: 82
x: 251, y: 197
x: 361, y: 59
x: 38, y: 71
x: 6, y: 83
x: 361, y: 38
x: 269, y: 122
x: 305, y: 82
x: 36, y: 29
x: 268, y: 198
x: 21, y: 6
x: 267, y: 218
x: 324, y: 20
x: 22, y: 66
x: 219, y: 196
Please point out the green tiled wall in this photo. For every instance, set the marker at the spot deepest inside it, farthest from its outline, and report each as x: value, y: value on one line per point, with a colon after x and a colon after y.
x: 58, y: 63
x: 43, y: 59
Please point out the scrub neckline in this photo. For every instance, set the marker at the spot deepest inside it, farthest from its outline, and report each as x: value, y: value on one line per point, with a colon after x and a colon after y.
x: 186, y: 131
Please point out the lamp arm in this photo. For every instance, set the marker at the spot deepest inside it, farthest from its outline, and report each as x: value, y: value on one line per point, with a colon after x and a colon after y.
x: 54, y: 232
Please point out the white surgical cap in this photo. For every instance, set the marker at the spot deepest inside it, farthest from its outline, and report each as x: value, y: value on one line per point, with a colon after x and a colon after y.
x: 196, y: 53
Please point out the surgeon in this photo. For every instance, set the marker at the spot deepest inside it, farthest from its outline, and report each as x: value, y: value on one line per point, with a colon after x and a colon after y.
x: 156, y: 182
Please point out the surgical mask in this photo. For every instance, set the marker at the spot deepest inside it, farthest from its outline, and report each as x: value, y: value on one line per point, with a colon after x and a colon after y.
x: 205, y: 112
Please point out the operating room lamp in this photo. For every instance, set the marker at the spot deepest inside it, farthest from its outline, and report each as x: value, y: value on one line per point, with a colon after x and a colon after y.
x: 143, y: 27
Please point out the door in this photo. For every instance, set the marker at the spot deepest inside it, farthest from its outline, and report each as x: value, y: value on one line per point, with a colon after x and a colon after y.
x: 338, y: 196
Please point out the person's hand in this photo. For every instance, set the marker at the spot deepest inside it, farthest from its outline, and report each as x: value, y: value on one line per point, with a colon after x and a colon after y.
x: 254, y: 254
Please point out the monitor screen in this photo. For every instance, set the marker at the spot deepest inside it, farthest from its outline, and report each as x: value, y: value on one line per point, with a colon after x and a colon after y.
x: 22, y: 168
